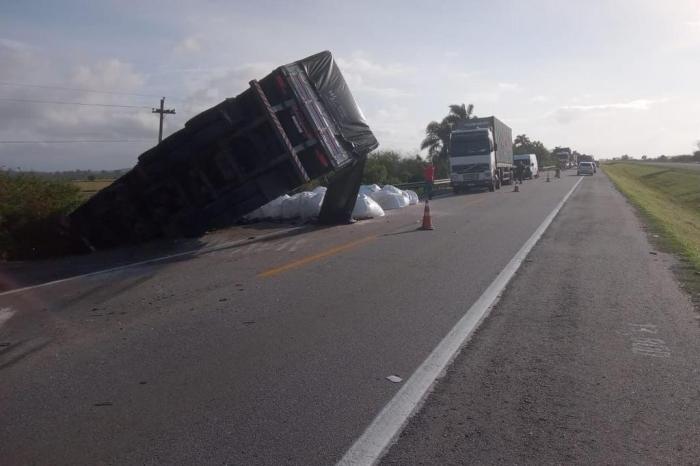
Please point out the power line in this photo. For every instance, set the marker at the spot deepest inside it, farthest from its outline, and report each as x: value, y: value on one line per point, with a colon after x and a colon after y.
x: 62, y: 88
x: 73, y: 141
x: 60, y: 102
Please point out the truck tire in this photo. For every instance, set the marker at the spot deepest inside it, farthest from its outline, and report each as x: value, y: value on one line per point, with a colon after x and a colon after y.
x: 492, y: 186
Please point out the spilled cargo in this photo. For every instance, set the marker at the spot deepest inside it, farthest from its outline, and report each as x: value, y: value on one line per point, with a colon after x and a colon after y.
x: 296, y: 124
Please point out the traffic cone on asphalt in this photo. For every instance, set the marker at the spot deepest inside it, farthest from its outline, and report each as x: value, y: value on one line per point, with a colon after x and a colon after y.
x: 427, y: 220
x: 516, y: 189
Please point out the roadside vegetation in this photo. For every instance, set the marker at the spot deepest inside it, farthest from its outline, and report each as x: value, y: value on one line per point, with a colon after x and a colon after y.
x: 30, y: 209
x: 389, y: 167
x: 88, y: 188
x: 669, y: 198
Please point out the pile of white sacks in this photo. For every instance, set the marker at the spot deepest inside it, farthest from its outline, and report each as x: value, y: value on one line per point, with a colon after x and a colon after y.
x: 371, y: 202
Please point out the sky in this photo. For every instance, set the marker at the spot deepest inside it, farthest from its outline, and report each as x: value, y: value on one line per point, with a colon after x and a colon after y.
x: 603, y: 77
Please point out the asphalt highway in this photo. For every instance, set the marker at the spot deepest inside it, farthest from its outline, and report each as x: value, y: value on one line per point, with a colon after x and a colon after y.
x: 590, y: 357
x: 278, y: 351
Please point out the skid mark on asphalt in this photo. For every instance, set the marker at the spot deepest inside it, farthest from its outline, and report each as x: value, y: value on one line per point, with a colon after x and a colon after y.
x: 5, y: 314
x: 644, y: 345
x: 315, y: 257
x: 290, y: 245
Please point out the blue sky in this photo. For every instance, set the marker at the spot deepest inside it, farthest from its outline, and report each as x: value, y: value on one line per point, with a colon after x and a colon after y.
x: 604, y: 77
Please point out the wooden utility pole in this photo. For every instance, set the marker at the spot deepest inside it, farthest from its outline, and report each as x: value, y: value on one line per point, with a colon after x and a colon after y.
x: 162, y: 111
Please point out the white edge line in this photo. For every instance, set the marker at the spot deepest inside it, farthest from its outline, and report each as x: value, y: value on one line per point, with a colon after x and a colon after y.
x: 386, y: 426
x: 194, y: 252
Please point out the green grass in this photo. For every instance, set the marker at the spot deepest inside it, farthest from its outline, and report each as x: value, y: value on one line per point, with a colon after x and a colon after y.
x: 669, y: 198
x: 30, y: 210
x: 88, y: 188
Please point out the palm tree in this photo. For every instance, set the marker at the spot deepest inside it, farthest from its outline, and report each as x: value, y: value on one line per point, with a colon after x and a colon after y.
x: 460, y: 112
x: 436, y: 139
x: 437, y: 135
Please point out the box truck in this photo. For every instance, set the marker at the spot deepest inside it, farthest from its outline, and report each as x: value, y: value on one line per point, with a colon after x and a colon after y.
x: 481, y: 154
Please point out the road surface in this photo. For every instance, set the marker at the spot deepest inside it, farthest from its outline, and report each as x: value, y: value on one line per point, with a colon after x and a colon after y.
x: 591, y: 357
x: 278, y: 351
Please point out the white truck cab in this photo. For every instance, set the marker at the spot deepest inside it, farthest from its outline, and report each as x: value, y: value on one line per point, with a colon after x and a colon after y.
x: 481, y: 154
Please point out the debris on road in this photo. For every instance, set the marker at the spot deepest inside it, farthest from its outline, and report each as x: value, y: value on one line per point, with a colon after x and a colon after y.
x: 371, y: 202
x: 394, y: 378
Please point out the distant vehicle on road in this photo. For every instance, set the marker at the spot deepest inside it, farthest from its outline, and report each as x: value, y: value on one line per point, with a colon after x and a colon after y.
x: 585, y: 168
x: 564, y: 156
x: 481, y: 154
x: 529, y: 162
x: 588, y: 158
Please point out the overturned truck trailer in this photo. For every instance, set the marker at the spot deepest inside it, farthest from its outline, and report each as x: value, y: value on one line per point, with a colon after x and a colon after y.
x: 296, y: 124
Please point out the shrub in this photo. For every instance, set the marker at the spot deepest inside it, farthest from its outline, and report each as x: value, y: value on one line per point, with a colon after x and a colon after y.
x: 30, y: 213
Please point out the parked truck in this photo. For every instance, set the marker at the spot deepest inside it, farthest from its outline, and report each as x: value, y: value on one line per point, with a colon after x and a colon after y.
x: 481, y: 154
x: 564, y: 156
x: 297, y: 124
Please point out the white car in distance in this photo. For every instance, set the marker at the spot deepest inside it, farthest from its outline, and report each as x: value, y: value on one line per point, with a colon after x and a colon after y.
x: 585, y: 168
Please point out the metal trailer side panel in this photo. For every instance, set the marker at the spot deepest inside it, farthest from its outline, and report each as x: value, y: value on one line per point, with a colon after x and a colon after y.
x: 503, y: 137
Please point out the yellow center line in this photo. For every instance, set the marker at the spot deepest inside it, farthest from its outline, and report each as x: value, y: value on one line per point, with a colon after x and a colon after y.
x: 308, y: 259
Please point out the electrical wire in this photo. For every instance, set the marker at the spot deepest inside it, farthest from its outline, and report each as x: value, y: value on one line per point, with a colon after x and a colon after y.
x: 62, y: 88
x: 60, y: 102
x: 73, y: 141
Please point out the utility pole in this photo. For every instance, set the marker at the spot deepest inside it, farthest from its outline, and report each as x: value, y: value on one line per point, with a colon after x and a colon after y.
x: 162, y: 111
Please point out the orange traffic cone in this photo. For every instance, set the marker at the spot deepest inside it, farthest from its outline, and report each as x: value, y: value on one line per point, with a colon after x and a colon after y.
x: 427, y: 220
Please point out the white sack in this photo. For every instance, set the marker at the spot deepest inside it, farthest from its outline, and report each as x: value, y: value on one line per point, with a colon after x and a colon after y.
x: 390, y: 198
x: 369, y: 189
x: 412, y: 196
x: 291, y: 207
x: 310, y: 203
x: 366, y: 207
x: 271, y: 210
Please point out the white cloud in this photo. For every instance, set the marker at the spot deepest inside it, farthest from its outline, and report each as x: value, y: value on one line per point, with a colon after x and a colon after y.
x: 378, y: 80
x: 359, y: 64
x: 188, y: 45
x: 111, y: 74
x: 508, y: 86
x: 46, y: 121
x: 568, y: 113
x: 639, y: 104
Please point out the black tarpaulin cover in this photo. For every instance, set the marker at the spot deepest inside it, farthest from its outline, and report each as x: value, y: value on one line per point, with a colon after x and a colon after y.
x: 335, y: 94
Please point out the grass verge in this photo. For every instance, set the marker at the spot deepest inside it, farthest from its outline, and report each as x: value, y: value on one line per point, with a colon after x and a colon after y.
x: 30, y: 213
x: 669, y: 200
x: 89, y: 188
